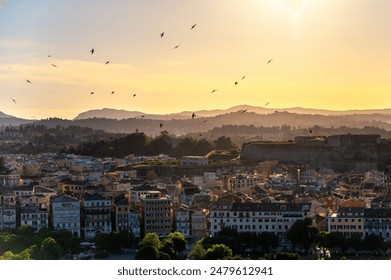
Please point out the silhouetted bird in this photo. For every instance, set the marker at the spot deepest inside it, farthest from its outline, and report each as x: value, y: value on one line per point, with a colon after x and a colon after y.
x: 266, y: 104
x: 205, y: 120
x: 269, y: 61
x: 54, y: 65
x: 244, y: 111
x: 134, y: 95
x: 28, y: 81
x: 112, y: 92
x: 236, y: 83
x: 92, y: 93
x: 213, y: 90
x: 177, y: 46
x: 49, y: 55
x: 310, y: 131
x: 161, y: 125
x: 193, y: 115
x: 192, y: 27
x: 107, y: 62
x: 243, y: 77
x: 161, y: 35
x: 142, y: 116
x: 13, y: 100
x: 92, y: 51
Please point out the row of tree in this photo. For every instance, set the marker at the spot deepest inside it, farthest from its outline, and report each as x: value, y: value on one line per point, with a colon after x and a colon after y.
x: 24, y: 243
x: 140, y: 144
x: 170, y: 248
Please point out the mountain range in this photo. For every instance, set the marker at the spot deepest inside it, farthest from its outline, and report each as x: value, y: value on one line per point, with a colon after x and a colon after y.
x: 123, y: 114
x: 122, y: 121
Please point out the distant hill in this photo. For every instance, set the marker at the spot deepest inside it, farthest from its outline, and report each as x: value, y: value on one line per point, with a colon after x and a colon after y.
x: 8, y: 120
x: 4, y: 116
x: 123, y: 114
x: 181, y: 126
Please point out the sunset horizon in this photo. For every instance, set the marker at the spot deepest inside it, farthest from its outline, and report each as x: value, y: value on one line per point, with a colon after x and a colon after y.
x: 194, y: 55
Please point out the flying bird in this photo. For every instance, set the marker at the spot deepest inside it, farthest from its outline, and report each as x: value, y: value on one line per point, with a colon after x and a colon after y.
x: 49, y: 55
x: 28, y: 81
x: 112, y: 92
x: 142, y: 116
x: 134, y: 95
x: 161, y: 125
x: 177, y: 46
x: 205, y: 120
x: 310, y: 131
x: 243, y: 77
x: 236, y: 83
x: 266, y: 104
x: 244, y: 111
x: 107, y: 62
x: 92, y: 93
x: 53, y: 65
x: 269, y: 61
x: 192, y: 27
x: 193, y: 115
x: 161, y: 35
x: 92, y: 51
x: 213, y: 90
x: 13, y: 100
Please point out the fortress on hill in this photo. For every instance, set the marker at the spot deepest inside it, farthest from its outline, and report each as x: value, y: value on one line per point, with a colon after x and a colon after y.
x: 358, y: 152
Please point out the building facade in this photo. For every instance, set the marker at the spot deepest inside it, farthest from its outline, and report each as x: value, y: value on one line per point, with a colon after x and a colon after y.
x: 66, y: 214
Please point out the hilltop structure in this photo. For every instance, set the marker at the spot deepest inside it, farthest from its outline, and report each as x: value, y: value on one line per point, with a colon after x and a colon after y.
x: 346, y: 152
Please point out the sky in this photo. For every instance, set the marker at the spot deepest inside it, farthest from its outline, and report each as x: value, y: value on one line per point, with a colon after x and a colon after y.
x: 326, y: 54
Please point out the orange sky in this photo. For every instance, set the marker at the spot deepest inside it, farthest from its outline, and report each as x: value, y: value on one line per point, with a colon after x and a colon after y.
x: 326, y: 54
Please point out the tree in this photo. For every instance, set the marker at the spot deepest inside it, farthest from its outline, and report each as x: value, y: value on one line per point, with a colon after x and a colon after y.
x: 267, y: 240
x: 218, y: 252
x: 302, y: 233
x: 374, y: 242
x: 169, y: 249
x: 198, y: 252
x: 151, y: 239
x: 149, y: 247
x: 224, y: 143
x: 178, y: 240
x: 50, y: 250
x: 147, y: 252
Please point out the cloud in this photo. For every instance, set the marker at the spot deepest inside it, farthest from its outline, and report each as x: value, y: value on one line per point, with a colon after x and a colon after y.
x: 3, y: 4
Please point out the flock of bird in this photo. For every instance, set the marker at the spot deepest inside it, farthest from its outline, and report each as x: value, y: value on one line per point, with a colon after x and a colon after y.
x: 92, y: 51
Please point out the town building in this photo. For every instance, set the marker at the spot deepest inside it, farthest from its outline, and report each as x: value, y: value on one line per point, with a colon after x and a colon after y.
x: 96, y: 215
x: 66, y: 214
x: 156, y: 213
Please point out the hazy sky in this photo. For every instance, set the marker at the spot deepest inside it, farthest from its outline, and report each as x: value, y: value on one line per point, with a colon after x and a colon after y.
x: 330, y: 54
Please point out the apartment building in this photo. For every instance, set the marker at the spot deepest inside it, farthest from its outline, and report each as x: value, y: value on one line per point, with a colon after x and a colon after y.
x: 156, y: 213
x: 258, y: 217
x: 182, y: 220
x: 378, y: 221
x: 348, y: 219
x: 96, y: 214
x: 34, y: 211
x: 66, y: 214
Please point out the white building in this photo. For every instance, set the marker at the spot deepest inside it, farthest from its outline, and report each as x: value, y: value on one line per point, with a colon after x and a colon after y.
x: 194, y: 161
x: 182, y: 220
x: 66, y: 214
x: 259, y: 217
